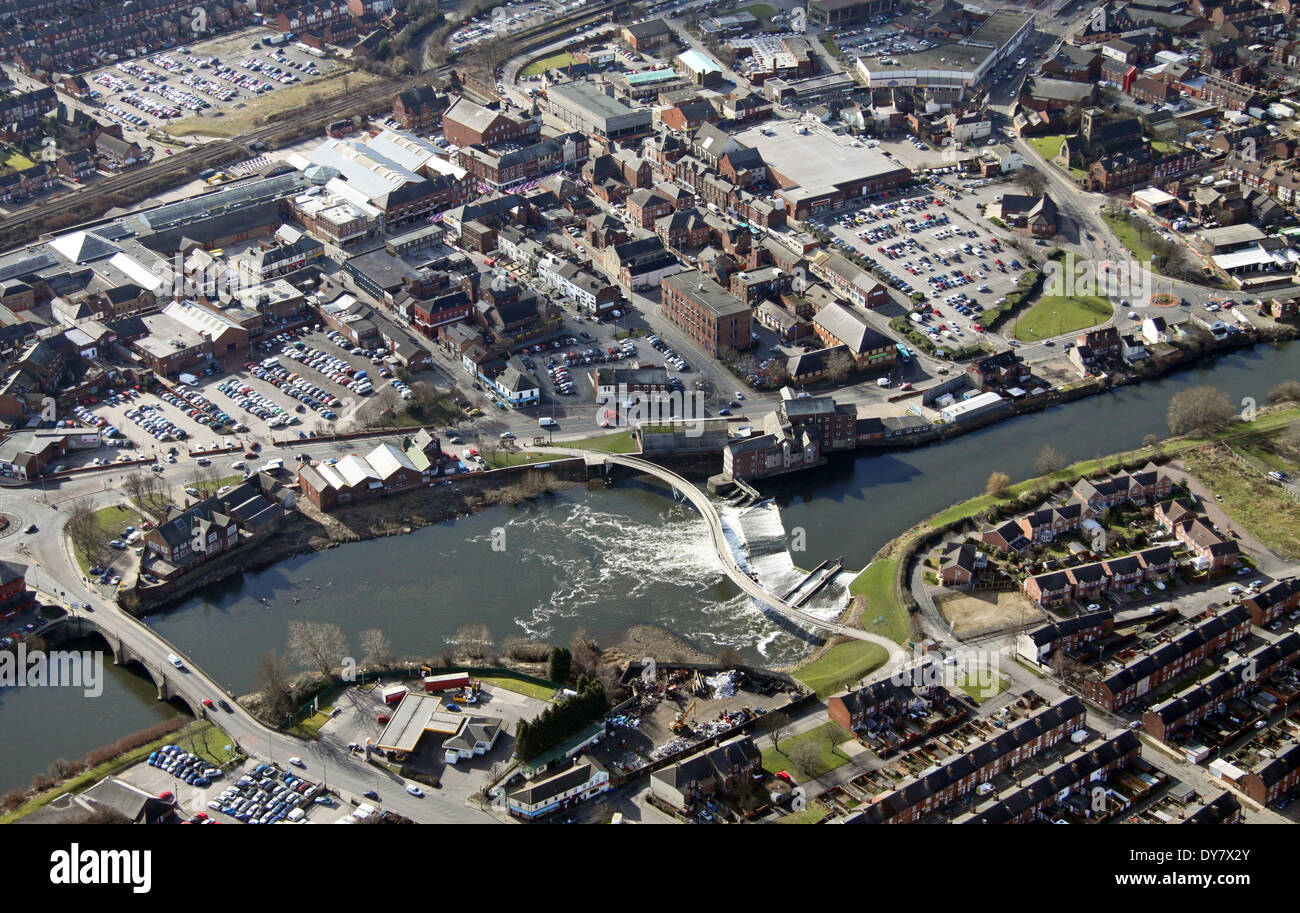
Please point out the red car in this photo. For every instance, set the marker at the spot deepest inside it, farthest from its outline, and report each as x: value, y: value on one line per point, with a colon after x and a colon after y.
x: 207, y: 702
x: 167, y: 796
x: 249, y: 455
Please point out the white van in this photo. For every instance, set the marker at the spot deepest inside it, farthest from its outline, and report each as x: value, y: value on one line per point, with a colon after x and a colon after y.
x: 547, y: 422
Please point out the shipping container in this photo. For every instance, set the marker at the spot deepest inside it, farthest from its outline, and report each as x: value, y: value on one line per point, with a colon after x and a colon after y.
x: 446, y: 681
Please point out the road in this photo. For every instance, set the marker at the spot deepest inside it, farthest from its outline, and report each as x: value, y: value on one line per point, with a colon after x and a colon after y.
x: 56, y: 574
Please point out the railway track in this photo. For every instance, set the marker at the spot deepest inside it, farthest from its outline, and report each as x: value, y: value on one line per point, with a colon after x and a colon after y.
x: 26, y: 224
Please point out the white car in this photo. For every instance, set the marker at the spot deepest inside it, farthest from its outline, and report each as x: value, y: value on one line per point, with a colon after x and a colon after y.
x: 414, y: 790
x: 297, y: 762
x: 175, y: 661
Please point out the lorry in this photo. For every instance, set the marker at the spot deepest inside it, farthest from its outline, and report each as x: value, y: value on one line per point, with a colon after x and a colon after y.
x: 394, y: 693
x: 447, y: 681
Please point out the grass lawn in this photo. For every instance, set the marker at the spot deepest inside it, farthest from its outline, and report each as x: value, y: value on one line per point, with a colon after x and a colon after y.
x: 823, y: 739
x: 18, y: 161
x: 759, y: 10
x: 618, y: 442
x: 1263, y: 509
x: 841, y: 664
x: 976, y: 691
x: 111, y: 521
x: 519, y: 686
x: 499, y: 459
x: 1055, y: 314
x: 1046, y: 146
x: 833, y: 48
x: 309, y: 727
x: 253, y: 113
x: 884, y: 615
x: 1127, y: 232
x: 542, y: 64
x: 214, y: 485
x: 814, y: 812
x: 208, y: 742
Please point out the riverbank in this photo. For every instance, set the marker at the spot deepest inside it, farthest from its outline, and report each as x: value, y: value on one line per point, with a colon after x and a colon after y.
x: 203, y: 737
x: 885, y: 582
x: 308, y: 529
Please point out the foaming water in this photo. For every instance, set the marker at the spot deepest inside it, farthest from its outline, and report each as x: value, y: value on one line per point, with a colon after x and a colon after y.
x: 758, y: 534
x: 599, y: 560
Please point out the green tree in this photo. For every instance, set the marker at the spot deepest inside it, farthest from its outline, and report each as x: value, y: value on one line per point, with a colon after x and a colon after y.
x: 561, y: 663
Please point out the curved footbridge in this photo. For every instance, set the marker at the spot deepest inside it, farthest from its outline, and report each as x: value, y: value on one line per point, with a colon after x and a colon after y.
x: 702, y: 503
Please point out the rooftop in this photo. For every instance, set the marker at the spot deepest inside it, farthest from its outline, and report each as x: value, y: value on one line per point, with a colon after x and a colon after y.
x: 818, y: 162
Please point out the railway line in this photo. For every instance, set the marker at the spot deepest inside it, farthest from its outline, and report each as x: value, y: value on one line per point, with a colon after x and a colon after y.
x: 27, y: 224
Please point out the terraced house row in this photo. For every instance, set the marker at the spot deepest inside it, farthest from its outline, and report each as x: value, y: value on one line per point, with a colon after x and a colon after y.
x: 1041, y: 644
x: 1071, y: 779
x: 1183, y: 711
x: 75, y: 36
x: 960, y: 776
x: 1091, y: 581
x: 1167, y: 661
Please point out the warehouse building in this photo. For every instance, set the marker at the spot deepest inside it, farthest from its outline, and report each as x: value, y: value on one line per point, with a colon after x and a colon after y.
x: 955, y: 65
x: 592, y: 109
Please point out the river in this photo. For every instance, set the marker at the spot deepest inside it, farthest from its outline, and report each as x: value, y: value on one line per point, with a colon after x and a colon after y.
x: 600, y: 560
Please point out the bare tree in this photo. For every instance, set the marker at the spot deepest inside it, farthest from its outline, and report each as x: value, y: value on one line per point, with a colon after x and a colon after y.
x: 318, y: 645
x: 1200, y: 410
x: 134, y: 486
x: 272, y: 680
x: 585, y: 653
x: 1290, y: 438
x: 104, y: 814
x: 87, y: 538
x: 997, y: 484
x: 1286, y: 392
x: 806, y: 756
x: 375, y: 647
x: 1049, y: 460
x: 777, y: 725
x: 1031, y: 181
x: 206, y: 479
x: 730, y: 657
x: 839, y: 365
x: 474, y: 639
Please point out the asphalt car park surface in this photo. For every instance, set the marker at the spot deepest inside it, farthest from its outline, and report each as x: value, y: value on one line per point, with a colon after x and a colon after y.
x: 230, y: 795
x: 932, y: 248
x: 153, y: 90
